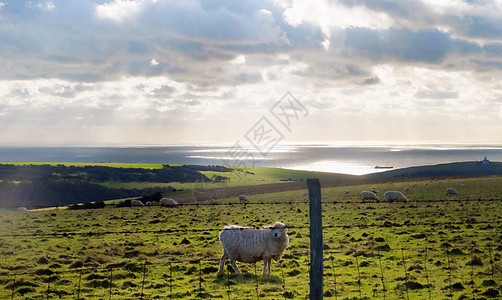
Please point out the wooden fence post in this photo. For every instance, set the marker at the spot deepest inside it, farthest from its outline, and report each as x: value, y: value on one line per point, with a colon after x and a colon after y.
x: 316, y: 259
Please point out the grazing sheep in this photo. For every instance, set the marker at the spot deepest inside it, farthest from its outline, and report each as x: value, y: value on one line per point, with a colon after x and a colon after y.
x: 406, y: 188
x: 451, y: 191
x: 136, y: 203
x: 462, y: 183
x: 391, y: 196
x: 346, y: 192
x: 249, y: 245
x: 367, y: 195
x: 374, y: 190
x: 168, y: 202
x: 243, y: 199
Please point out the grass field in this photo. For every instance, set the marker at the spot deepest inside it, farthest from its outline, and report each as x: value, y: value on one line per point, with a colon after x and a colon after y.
x: 433, y: 247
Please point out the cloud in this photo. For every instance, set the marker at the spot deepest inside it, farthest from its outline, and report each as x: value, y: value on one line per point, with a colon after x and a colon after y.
x: 428, y: 46
x: 199, y: 66
x: 436, y: 95
x: 118, y: 10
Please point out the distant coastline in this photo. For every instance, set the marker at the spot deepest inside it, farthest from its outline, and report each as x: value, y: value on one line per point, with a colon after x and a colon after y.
x: 347, y: 159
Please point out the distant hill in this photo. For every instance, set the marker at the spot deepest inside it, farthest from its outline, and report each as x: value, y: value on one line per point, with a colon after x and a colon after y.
x: 472, y: 168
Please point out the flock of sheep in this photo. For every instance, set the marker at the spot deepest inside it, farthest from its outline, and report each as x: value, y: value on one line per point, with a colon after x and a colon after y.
x: 166, y: 202
x: 250, y: 245
x: 393, y: 196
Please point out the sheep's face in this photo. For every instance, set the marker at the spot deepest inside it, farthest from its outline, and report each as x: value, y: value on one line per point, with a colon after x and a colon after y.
x: 279, y: 232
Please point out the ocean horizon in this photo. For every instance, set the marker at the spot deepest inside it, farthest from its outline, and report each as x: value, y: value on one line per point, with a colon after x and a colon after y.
x: 355, y: 159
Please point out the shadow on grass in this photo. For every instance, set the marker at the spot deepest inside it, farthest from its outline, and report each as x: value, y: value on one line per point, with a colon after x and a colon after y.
x: 233, y: 279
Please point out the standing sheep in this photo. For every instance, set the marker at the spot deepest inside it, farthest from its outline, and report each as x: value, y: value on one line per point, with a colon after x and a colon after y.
x: 367, y: 195
x: 374, y: 190
x: 346, y: 192
x: 249, y: 245
x: 406, y: 188
x: 168, y: 202
x: 451, y: 191
x: 136, y: 203
x: 391, y: 196
x: 243, y: 199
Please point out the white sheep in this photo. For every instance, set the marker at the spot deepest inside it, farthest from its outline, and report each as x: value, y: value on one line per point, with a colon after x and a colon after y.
x: 451, y: 191
x: 367, y: 195
x: 249, y: 245
x: 168, y: 202
x: 243, y: 199
x: 406, y: 188
x: 136, y: 203
x: 391, y: 196
x: 374, y: 190
x: 346, y: 192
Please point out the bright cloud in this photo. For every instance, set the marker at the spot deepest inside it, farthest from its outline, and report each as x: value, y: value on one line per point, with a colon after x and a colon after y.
x: 125, y: 71
x: 118, y: 10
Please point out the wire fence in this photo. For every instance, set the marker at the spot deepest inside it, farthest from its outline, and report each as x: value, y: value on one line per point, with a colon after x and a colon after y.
x: 217, y: 202
x: 355, y: 270
x: 414, y: 273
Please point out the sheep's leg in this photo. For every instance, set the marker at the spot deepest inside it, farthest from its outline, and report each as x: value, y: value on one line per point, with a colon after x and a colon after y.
x: 234, y: 266
x: 266, y: 262
x: 222, y: 263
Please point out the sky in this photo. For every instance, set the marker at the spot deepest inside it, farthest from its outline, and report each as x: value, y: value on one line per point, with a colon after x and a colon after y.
x: 158, y: 72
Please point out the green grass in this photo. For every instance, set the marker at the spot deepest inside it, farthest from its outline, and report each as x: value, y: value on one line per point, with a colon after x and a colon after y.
x: 429, y: 241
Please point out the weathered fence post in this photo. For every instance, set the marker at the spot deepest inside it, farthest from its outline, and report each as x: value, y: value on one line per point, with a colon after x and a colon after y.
x: 256, y: 279
x: 13, y: 288
x: 406, y: 278
x: 143, y: 282
x: 111, y: 281
x: 79, y: 284
x: 334, y: 276
x: 316, y: 259
x: 381, y: 272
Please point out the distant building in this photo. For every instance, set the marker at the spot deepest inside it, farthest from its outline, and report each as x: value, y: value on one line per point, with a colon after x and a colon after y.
x: 485, y: 161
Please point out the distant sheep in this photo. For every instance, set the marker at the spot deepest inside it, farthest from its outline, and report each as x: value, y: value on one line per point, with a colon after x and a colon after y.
x: 451, y: 191
x: 243, y: 199
x: 374, y: 190
x: 367, y: 195
x: 136, y: 203
x: 250, y: 245
x: 346, y: 192
x: 406, y: 188
x: 168, y: 202
x: 462, y: 183
x: 394, y: 196
x: 305, y: 194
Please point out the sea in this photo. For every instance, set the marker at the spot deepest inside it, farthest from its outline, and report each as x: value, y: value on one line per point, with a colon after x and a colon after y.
x: 355, y: 159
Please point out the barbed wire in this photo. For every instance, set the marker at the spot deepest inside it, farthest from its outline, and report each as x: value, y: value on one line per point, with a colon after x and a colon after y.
x: 385, y: 224
x: 222, y: 203
x: 327, y: 256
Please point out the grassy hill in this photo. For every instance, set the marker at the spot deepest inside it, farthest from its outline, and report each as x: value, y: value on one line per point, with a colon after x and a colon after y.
x: 56, y: 184
x: 443, y: 170
x: 433, y: 247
